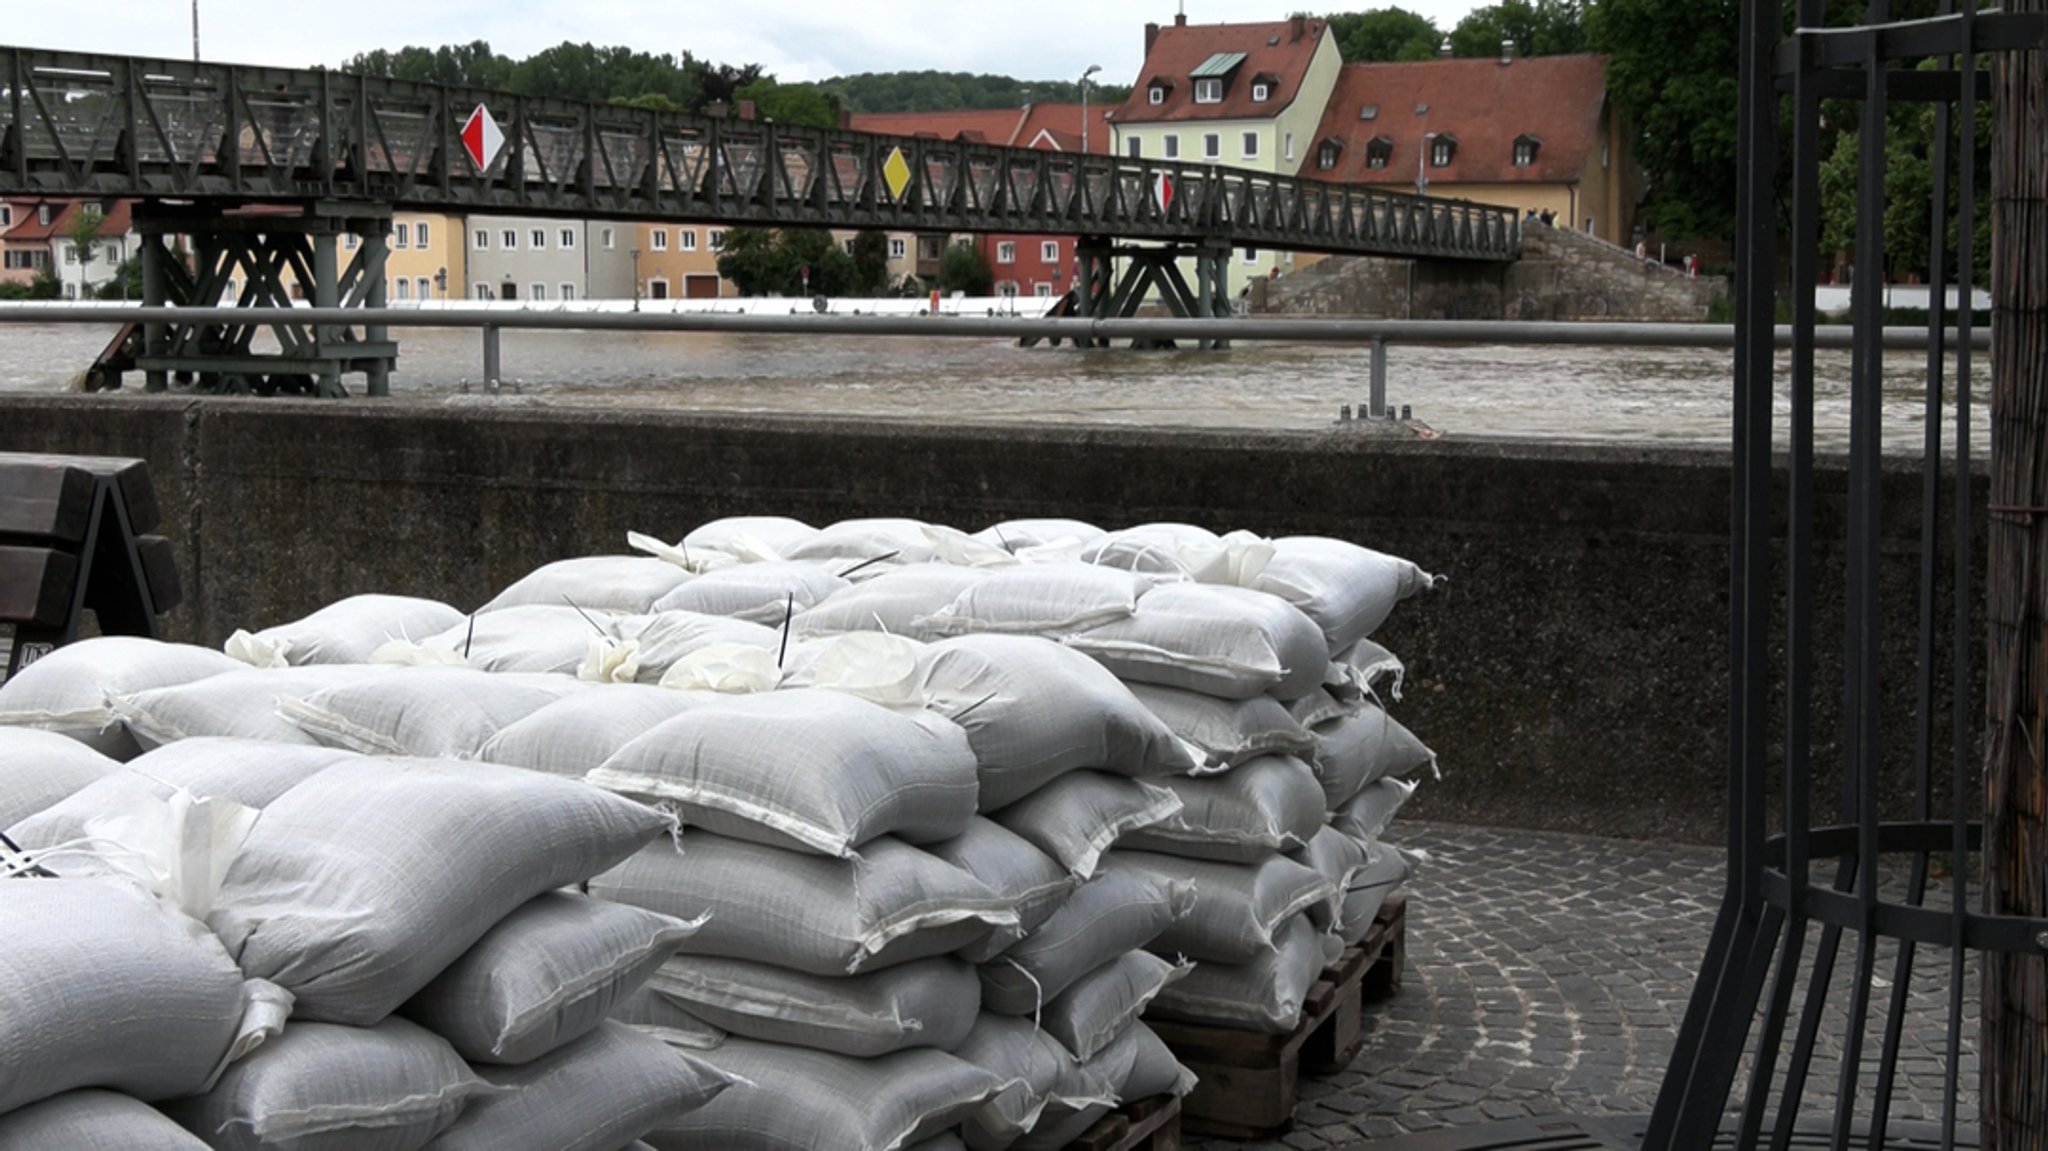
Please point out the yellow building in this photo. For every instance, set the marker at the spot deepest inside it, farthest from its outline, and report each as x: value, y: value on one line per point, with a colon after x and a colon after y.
x: 427, y: 260
x: 678, y: 261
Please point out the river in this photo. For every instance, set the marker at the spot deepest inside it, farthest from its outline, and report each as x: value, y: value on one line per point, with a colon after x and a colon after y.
x: 1667, y: 396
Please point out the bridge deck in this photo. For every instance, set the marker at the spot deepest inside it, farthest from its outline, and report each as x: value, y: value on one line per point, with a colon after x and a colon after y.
x: 74, y: 124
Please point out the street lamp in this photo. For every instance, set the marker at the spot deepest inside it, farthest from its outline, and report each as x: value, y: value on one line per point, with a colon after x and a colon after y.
x: 636, y: 279
x: 1421, y: 176
x: 1092, y: 70
x: 195, y: 31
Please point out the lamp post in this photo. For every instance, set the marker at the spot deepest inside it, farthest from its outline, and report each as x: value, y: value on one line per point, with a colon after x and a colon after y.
x: 1421, y: 156
x: 195, y: 31
x: 1092, y: 70
x: 636, y: 278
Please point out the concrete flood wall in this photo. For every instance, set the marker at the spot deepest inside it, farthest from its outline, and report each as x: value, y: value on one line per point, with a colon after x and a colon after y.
x: 1572, y: 674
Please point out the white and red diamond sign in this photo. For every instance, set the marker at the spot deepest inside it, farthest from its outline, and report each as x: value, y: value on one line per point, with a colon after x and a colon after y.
x: 482, y: 138
x: 1162, y: 191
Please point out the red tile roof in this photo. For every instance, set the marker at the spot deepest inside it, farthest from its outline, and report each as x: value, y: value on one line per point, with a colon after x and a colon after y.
x: 1484, y: 105
x: 1282, y: 50
x: 1012, y: 127
x: 28, y: 228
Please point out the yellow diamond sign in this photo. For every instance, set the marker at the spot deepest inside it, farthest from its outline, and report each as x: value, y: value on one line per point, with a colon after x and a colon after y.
x: 896, y: 173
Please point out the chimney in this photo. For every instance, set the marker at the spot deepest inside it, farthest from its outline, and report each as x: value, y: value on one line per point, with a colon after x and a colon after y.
x: 1507, y: 51
x: 1180, y: 19
x: 1297, y: 28
x: 1151, y: 37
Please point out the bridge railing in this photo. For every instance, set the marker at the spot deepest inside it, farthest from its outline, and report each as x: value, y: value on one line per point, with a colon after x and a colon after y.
x: 74, y: 124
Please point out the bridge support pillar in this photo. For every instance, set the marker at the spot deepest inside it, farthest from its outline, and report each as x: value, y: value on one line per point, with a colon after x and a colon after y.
x: 1153, y: 274
x: 262, y: 257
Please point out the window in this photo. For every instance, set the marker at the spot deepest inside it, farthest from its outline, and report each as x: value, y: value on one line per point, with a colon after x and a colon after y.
x: 1156, y: 94
x: 1290, y: 145
x: 1525, y: 150
x: 43, y: 215
x: 481, y: 239
x: 1250, y: 255
x: 606, y: 238
x: 536, y: 291
x: 1441, y: 151
x: 419, y: 234
x: 686, y: 239
x: 657, y: 289
x: 897, y: 248
x: 661, y: 239
x: 568, y: 239
x: 70, y: 253
x: 1212, y: 146
x: 1049, y: 252
x: 568, y: 291
x: 6, y: 215
x: 480, y: 291
x: 1603, y: 155
x: 1042, y: 290
x: 404, y: 287
x: 1134, y: 148
x: 1209, y: 91
x: 1171, y: 147
x: 1251, y: 145
x: 1006, y: 252
x: 348, y: 242
x: 847, y: 246
x: 401, y: 235
x: 716, y: 240
x: 1261, y: 93
x: 540, y: 239
x: 510, y: 239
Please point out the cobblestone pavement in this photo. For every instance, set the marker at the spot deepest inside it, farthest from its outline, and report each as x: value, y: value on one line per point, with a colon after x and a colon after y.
x: 1547, y: 974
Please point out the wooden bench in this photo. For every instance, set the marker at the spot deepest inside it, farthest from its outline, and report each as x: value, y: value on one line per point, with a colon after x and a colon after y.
x: 75, y: 537
x: 1249, y: 1081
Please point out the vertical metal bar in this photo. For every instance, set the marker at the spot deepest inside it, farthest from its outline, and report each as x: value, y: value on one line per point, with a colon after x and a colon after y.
x: 1377, y: 401
x: 326, y: 294
x: 377, y: 253
x: 1865, y: 475
x: 493, y: 361
x: 154, y: 275
x: 1963, y: 748
x: 17, y: 79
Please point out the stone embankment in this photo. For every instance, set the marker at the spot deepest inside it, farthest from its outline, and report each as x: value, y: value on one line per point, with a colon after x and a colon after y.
x: 1562, y: 275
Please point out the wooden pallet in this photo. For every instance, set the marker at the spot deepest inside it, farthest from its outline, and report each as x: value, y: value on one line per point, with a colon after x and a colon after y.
x: 1249, y: 1082
x: 1147, y: 1125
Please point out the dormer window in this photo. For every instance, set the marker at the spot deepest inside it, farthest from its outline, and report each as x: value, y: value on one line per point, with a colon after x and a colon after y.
x: 1441, y: 150
x: 1213, y: 73
x: 1156, y: 94
x: 1208, y: 91
x: 1261, y: 93
x: 1379, y: 152
x: 1327, y: 153
x: 1525, y: 150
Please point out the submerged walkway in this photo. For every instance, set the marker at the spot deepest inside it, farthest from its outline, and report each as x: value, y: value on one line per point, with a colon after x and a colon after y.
x: 1546, y: 976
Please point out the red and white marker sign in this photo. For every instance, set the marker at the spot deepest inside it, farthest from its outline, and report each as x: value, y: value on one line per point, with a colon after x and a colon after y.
x: 482, y: 138
x: 1162, y: 190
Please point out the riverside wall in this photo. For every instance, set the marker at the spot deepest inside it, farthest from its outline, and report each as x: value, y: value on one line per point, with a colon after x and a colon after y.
x: 1572, y: 673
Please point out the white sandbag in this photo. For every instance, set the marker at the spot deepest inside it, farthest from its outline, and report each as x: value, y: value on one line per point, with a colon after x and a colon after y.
x: 1028, y: 1062
x: 1152, y: 1069
x: 345, y: 631
x: 1319, y: 707
x: 894, y: 602
x: 764, y: 593
x: 1041, y: 599
x: 871, y: 665
x: 1086, y: 1017
x: 1368, y: 816
x: 926, y: 1003
x: 607, y: 1087
x: 891, y: 541
x: 540, y: 638
x: 1226, y: 732
x: 392, y: 1087
x: 1385, y: 870
x: 1348, y: 590
x: 70, y: 690
x: 251, y: 773
x: 1110, y: 915
x: 1223, y: 641
x: 94, y: 1121
x: 419, y: 859
x: 40, y: 769
x: 1082, y: 814
x: 106, y: 986
x: 1365, y: 669
x: 1154, y: 549
x: 810, y: 1101
x: 807, y: 770
x: 1266, y: 805
x: 1015, y: 536
x: 1338, y: 858
x: 621, y: 585
x: 1034, y: 711
x: 425, y: 712
x: 546, y: 975
x: 1237, y: 907
x: 237, y: 705
x: 1362, y: 748
x: 1264, y: 995
x: 806, y: 912
x: 580, y: 731
x: 664, y: 638
x: 652, y: 1013
x: 731, y: 534
x: 1028, y: 878
x: 726, y: 669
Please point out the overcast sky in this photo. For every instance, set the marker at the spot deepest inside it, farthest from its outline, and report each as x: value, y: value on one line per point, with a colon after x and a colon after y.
x: 795, y: 39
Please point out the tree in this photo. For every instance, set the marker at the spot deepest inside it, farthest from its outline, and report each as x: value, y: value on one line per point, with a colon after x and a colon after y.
x: 746, y: 259
x: 1537, y: 27
x: 84, y: 234
x: 930, y: 91
x: 1909, y: 189
x: 720, y: 84
x: 871, y: 263
x: 1672, y: 70
x: 964, y: 269
x: 125, y: 283
x: 1385, y: 35
x: 792, y: 104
